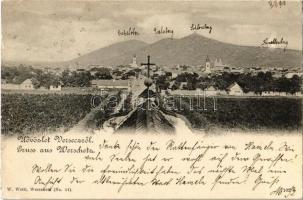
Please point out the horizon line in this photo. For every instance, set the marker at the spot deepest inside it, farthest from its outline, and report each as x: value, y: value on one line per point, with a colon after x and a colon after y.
x: 147, y: 43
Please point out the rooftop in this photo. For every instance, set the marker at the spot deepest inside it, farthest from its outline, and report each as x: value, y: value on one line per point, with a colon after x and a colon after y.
x: 112, y: 82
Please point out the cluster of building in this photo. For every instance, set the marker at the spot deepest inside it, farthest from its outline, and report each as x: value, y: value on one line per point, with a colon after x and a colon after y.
x: 209, y: 68
x: 232, y: 90
x: 26, y: 85
x: 171, y: 73
x: 98, y: 84
x: 217, y: 67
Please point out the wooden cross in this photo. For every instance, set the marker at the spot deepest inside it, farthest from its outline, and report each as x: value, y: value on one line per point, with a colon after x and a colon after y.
x: 148, y: 65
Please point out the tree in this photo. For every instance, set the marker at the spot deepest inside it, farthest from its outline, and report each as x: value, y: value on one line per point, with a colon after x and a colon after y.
x: 103, y: 73
x: 65, y: 78
x: 76, y: 79
x: 190, y: 78
x: 162, y: 83
x: 295, y: 83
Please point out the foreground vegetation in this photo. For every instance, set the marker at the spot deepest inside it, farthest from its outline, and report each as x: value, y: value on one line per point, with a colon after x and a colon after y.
x: 24, y: 113
x: 27, y: 113
x: 244, y: 113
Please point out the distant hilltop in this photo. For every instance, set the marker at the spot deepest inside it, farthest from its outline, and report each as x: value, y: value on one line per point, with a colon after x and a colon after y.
x: 190, y: 50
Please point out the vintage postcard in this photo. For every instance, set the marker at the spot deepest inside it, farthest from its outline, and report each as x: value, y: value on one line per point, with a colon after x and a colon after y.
x: 151, y: 99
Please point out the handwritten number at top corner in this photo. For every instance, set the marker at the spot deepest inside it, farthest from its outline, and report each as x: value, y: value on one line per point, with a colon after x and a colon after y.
x: 276, y: 3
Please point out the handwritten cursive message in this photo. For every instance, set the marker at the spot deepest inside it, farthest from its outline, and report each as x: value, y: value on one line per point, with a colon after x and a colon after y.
x: 134, y: 165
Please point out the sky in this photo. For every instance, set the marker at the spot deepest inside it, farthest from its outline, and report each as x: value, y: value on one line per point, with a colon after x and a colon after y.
x: 53, y: 30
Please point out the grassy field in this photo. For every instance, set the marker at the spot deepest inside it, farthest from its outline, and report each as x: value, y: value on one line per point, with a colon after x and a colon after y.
x: 243, y: 113
x: 24, y: 113
x: 27, y: 113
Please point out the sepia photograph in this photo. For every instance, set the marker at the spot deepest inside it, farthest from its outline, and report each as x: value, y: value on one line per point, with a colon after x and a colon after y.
x: 151, y: 97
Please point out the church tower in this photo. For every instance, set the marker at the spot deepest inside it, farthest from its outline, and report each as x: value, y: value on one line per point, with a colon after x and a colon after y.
x: 207, y: 65
x: 134, y: 62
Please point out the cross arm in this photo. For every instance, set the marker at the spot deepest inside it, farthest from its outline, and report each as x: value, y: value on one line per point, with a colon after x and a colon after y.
x: 148, y: 64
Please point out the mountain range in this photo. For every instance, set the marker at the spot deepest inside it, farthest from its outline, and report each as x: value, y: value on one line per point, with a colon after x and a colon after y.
x: 190, y: 50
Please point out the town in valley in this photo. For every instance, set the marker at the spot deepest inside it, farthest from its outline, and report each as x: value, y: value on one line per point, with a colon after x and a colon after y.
x: 212, y: 77
x: 194, y: 67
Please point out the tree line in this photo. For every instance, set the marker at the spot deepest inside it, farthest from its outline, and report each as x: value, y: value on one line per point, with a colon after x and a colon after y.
x: 46, y: 78
x: 258, y: 83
